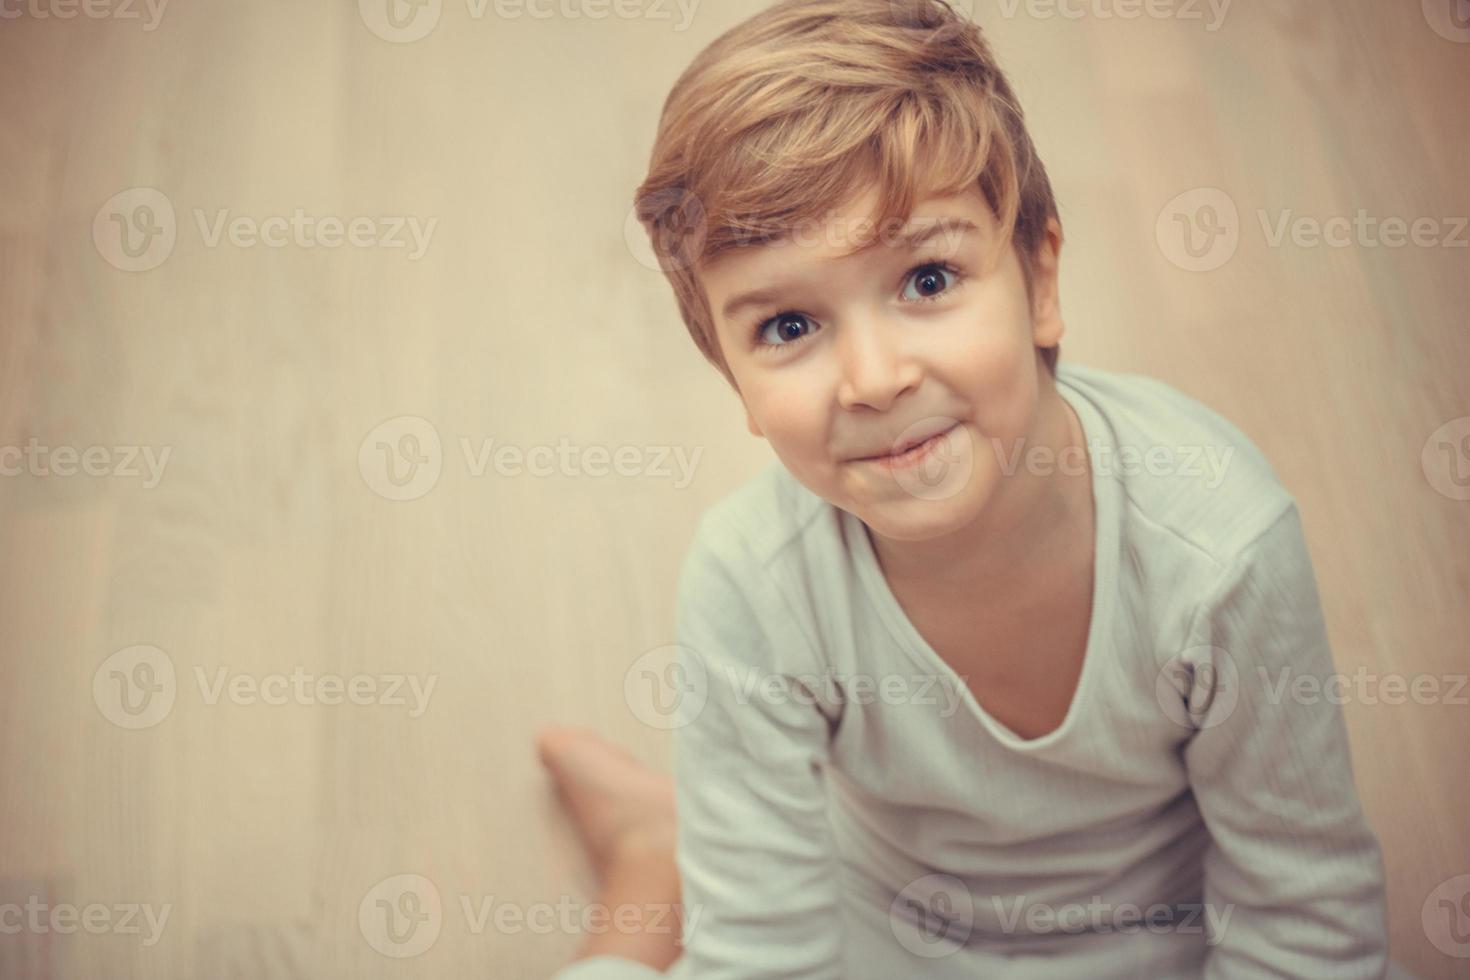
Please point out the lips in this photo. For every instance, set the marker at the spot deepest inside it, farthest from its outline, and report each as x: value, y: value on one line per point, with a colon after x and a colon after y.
x: 913, y: 436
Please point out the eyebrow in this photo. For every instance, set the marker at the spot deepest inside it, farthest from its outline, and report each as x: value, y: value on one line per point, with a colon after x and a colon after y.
x: 910, y: 240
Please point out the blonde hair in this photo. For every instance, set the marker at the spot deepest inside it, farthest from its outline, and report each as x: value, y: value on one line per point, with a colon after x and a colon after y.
x: 793, y: 112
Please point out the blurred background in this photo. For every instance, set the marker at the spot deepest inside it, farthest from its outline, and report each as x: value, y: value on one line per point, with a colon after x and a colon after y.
x: 349, y: 433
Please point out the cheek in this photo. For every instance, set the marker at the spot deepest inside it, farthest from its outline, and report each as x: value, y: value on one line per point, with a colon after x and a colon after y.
x: 791, y: 416
x: 991, y: 361
x: 988, y: 354
x: 989, y: 332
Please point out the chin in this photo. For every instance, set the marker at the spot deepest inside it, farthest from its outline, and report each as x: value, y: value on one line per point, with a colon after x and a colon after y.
x: 909, y: 518
x: 893, y: 510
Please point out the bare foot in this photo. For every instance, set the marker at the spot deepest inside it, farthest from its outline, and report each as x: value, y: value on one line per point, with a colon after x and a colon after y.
x: 623, y: 810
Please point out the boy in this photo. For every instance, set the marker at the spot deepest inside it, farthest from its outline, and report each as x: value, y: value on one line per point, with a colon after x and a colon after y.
x: 861, y: 239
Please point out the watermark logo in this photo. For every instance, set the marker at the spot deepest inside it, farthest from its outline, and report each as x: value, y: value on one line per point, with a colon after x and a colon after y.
x: 1210, y: 12
x: 833, y: 688
x: 135, y: 687
x: 1450, y: 19
x: 932, y: 916
x: 569, y: 917
x: 406, y: 21
x: 1199, y: 687
x: 410, y: 691
x: 1099, y: 916
x: 152, y: 10
x: 40, y: 917
x: 38, y: 460
x: 401, y: 916
x: 1208, y: 464
x: 1199, y: 230
x: 1445, y: 916
x: 401, y: 21
x: 1364, y: 687
x: 135, y: 230
x: 1445, y: 458
x: 654, y: 10
x: 402, y: 458
x: 680, y: 228
x: 1362, y: 230
x: 307, y: 231
x: 946, y: 466
x: 667, y: 687
x: 964, y: 8
x: 566, y: 459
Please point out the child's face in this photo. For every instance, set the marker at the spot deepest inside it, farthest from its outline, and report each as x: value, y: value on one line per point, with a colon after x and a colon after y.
x: 850, y: 356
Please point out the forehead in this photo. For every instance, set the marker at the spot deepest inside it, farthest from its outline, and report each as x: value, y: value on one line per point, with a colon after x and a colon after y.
x: 850, y: 234
x: 853, y: 228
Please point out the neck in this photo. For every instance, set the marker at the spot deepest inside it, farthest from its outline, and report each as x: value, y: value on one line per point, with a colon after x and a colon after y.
x: 1030, y: 524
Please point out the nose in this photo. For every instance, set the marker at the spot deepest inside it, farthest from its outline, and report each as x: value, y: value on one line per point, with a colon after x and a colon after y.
x: 876, y: 366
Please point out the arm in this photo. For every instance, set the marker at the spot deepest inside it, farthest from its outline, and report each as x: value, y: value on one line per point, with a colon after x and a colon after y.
x: 756, y: 862
x: 1293, y: 861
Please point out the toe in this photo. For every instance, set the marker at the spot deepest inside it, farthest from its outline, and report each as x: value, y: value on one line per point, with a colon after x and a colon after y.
x: 552, y: 743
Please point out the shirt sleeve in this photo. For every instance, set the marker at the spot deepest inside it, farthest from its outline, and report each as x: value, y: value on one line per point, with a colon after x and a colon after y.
x: 756, y: 861
x: 1293, y: 861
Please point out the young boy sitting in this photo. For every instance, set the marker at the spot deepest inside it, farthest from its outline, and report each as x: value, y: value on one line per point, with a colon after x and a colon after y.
x: 991, y: 674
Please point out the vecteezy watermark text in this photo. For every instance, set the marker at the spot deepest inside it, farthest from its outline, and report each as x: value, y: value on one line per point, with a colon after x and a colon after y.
x: 98, y: 918
x: 136, y: 230
x: 1098, y: 915
x: 136, y: 688
x: 1192, y: 462
x: 1364, y: 687
x: 403, y: 915
x: 1363, y: 230
x: 571, y: 917
x: 934, y: 916
x: 406, y: 21
x: 299, y: 687
x: 35, y: 459
x: 90, y: 9
x: 310, y: 231
x: 668, y: 687
x: 1200, y: 230
x: 1185, y: 10
x: 833, y: 687
x: 403, y: 458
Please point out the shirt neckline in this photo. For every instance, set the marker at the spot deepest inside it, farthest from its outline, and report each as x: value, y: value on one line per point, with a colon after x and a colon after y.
x: 1105, y: 491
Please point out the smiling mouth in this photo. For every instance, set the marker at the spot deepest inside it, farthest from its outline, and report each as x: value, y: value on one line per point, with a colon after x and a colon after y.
x: 910, y: 454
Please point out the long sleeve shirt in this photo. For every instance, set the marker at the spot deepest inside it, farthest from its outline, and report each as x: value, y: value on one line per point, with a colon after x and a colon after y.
x: 847, y: 809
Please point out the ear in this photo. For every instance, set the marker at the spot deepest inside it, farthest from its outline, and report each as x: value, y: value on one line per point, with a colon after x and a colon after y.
x: 1046, y: 305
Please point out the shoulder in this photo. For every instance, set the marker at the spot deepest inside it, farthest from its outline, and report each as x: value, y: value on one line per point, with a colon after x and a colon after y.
x: 1181, y: 465
x: 756, y: 522
x: 750, y: 545
x: 746, y: 581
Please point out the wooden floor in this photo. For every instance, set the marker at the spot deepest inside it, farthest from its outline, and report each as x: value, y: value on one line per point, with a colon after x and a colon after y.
x: 267, y: 554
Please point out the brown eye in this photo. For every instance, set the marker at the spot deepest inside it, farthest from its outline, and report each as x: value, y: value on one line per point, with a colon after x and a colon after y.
x: 789, y: 327
x: 930, y: 280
